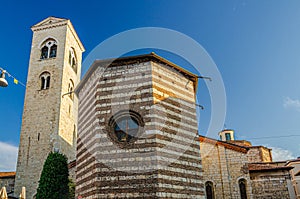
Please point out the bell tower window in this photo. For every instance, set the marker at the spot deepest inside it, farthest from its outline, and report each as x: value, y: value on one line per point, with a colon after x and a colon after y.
x: 72, y: 60
x: 44, y: 52
x: 227, y: 136
x: 53, y: 50
x: 49, y: 49
x: 45, y: 80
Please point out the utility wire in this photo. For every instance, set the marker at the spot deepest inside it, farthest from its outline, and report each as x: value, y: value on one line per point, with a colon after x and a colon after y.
x: 16, y: 81
x: 279, y: 136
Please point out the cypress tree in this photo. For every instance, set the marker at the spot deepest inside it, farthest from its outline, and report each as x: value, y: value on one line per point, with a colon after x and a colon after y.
x: 54, y: 180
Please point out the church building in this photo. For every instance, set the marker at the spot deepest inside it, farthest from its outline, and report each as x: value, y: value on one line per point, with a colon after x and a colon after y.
x: 129, y: 129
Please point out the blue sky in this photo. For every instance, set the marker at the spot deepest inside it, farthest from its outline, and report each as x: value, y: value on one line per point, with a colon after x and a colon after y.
x: 255, y: 44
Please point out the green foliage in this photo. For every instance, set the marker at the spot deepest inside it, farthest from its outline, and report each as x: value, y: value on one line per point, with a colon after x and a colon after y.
x: 71, y: 189
x: 54, y: 180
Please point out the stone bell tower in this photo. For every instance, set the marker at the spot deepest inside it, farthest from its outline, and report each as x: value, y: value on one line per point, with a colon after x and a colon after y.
x: 49, y: 120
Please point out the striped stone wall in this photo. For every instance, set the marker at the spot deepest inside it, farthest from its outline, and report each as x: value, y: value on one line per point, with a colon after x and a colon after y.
x: 162, y: 160
x: 176, y: 129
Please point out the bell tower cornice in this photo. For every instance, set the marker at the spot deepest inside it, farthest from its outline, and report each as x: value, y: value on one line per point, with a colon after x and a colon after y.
x: 54, y: 22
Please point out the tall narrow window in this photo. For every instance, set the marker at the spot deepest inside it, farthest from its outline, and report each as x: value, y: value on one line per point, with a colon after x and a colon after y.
x: 227, y: 136
x: 74, y: 131
x: 71, y: 89
x: 209, y: 190
x: 45, y: 80
x: 53, y: 50
x: 44, y: 53
x: 49, y: 49
x: 72, y: 59
x: 242, y: 186
x: 48, y: 82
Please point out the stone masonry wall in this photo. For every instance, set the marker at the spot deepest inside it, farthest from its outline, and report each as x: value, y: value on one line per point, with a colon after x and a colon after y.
x: 146, y: 167
x: 224, y: 168
x: 104, y: 168
x: 8, y: 183
x: 176, y: 127
x: 259, y: 154
x: 270, y: 184
x: 47, y: 121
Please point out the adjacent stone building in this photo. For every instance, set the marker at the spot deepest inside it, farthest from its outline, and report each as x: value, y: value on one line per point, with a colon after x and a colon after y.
x: 271, y: 180
x: 7, y: 180
x: 49, y: 116
x: 295, y: 174
x: 136, y: 130
x: 236, y: 169
x: 225, y: 169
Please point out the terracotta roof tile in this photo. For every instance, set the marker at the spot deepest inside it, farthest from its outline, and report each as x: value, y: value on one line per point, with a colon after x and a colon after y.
x: 7, y: 174
x: 266, y: 167
x: 227, y: 145
x: 133, y: 60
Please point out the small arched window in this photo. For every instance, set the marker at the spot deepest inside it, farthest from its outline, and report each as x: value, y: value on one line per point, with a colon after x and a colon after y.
x: 72, y: 59
x: 49, y: 49
x: 71, y: 89
x: 45, y: 80
x: 243, y: 190
x: 209, y: 190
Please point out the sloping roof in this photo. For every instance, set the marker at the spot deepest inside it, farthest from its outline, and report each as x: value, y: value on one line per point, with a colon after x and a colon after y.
x: 132, y: 60
x: 228, y: 145
x: 51, y: 22
x: 7, y: 174
x: 297, y: 161
x: 241, y: 143
x: 254, y: 167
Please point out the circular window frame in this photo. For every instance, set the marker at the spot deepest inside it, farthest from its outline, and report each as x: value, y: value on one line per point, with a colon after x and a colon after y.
x: 124, y: 115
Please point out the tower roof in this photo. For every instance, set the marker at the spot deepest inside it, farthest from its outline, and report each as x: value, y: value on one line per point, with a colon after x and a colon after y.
x: 136, y: 59
x: 52, y: 22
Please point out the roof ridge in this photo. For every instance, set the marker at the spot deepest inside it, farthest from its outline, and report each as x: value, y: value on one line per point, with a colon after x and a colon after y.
x: 247, y: 147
